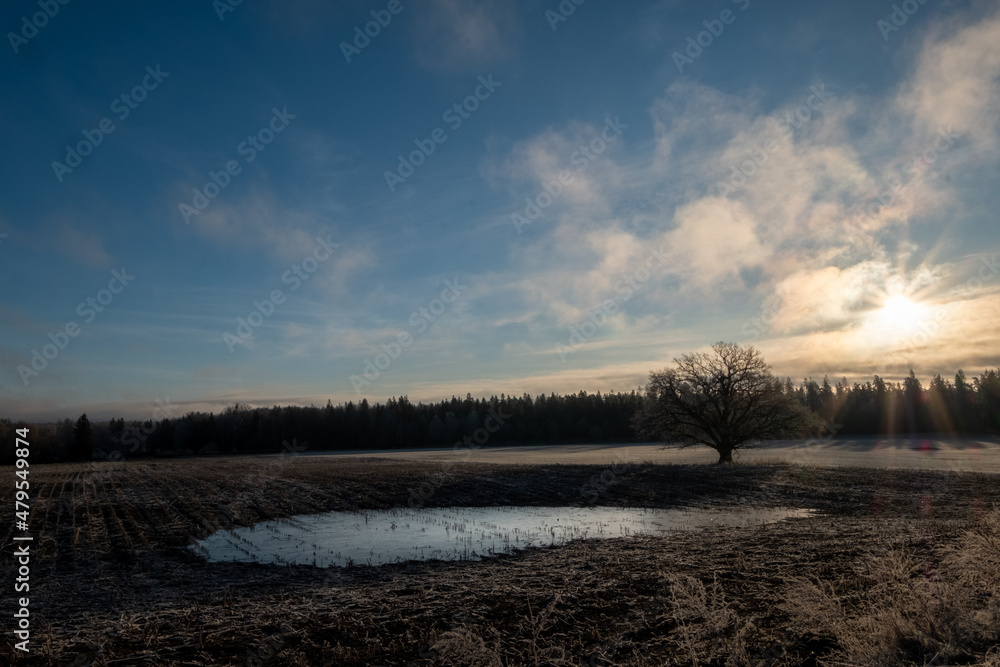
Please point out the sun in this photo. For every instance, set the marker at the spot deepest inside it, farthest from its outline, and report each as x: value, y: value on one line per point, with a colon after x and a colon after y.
x: 899, y: 309
x: 898, y: 316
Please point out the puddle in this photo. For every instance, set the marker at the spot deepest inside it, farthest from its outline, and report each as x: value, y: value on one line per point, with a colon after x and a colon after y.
x: 377, y: 537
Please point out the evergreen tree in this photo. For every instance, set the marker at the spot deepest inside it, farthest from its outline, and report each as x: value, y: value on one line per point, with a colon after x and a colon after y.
x: 964, y: 395
x: 988, y: 395
x: 913, y: 402
x: 83, y: 437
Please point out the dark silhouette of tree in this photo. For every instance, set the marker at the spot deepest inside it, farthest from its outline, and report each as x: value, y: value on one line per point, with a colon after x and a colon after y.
x: 435, y: 432
x: 64, y: 446
x: 988, y: 393
x: 726, y: 400
x: 938, y: 402
x: 82, y: 439
x: 828, y: 402
x: 913, y: 399
x: 814, y: 400
x: 162, y: 439
x: 963, y: 405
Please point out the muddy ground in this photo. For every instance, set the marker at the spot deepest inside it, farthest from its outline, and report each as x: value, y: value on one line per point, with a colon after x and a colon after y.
x: 896, y: 567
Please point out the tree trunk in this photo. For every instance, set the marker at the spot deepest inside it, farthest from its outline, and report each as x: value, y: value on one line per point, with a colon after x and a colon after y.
x: 725, y: 454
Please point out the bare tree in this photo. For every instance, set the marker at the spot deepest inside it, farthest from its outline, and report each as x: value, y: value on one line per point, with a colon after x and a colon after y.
x: 726, y: 400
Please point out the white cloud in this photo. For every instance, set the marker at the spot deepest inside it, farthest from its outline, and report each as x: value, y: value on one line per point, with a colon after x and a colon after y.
x: 789, y: 229
x: 949, y: 336
x: 541, y: 159
x: 830, y: 296
x: 955, y: 83
x: 714, y: 239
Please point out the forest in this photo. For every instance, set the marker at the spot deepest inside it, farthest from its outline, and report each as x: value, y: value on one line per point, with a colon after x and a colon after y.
x: 874, y: 408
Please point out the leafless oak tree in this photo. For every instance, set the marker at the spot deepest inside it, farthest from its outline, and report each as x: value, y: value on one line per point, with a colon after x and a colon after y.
x: 726, y: 400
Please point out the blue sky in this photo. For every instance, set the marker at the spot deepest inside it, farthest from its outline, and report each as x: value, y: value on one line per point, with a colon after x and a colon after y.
x: 589, y: 197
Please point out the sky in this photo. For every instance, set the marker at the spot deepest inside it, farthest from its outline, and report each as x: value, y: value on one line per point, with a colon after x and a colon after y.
x: 272, y: 202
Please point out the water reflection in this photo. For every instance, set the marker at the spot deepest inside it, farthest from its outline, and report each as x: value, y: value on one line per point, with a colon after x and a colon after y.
x: 377, y: 537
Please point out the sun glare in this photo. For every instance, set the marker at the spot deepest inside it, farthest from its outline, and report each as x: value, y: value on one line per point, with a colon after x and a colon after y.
x: 900, y: 309
x: 899, y: 316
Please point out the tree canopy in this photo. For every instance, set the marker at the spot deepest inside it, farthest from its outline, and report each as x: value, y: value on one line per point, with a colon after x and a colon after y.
x: 727, y: 400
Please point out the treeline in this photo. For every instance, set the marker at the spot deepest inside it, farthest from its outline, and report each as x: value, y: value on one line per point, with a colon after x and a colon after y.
x: 876, y: 407
x: 396, y: 424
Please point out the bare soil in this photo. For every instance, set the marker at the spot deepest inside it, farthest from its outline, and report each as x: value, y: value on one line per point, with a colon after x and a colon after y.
x: 113, y: 583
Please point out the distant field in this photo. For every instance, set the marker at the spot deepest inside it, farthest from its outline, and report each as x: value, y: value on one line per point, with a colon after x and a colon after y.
x: 957, y: 454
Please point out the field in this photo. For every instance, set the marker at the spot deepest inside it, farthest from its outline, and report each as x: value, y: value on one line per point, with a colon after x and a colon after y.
x: 930, y: 453
x: 900, y: 566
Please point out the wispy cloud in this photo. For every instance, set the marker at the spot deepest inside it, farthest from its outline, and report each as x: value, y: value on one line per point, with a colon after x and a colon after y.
x: 955, y: 82
x: 84, y: 248
x: 791, y: 225
x: 459, y: 34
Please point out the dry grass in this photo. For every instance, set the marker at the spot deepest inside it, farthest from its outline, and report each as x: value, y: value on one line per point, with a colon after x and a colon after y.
x: 902, y: 568
x: 923, y: 603
x: 706, y: 622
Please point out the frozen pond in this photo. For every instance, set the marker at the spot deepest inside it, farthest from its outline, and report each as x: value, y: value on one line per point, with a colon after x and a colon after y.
x: 377, y: 537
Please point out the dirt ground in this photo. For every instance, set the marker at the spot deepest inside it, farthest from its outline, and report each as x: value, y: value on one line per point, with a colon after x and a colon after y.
x: 897, y: 567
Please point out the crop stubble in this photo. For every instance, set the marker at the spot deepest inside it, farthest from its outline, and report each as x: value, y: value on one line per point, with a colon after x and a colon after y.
x: 113, y: 582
